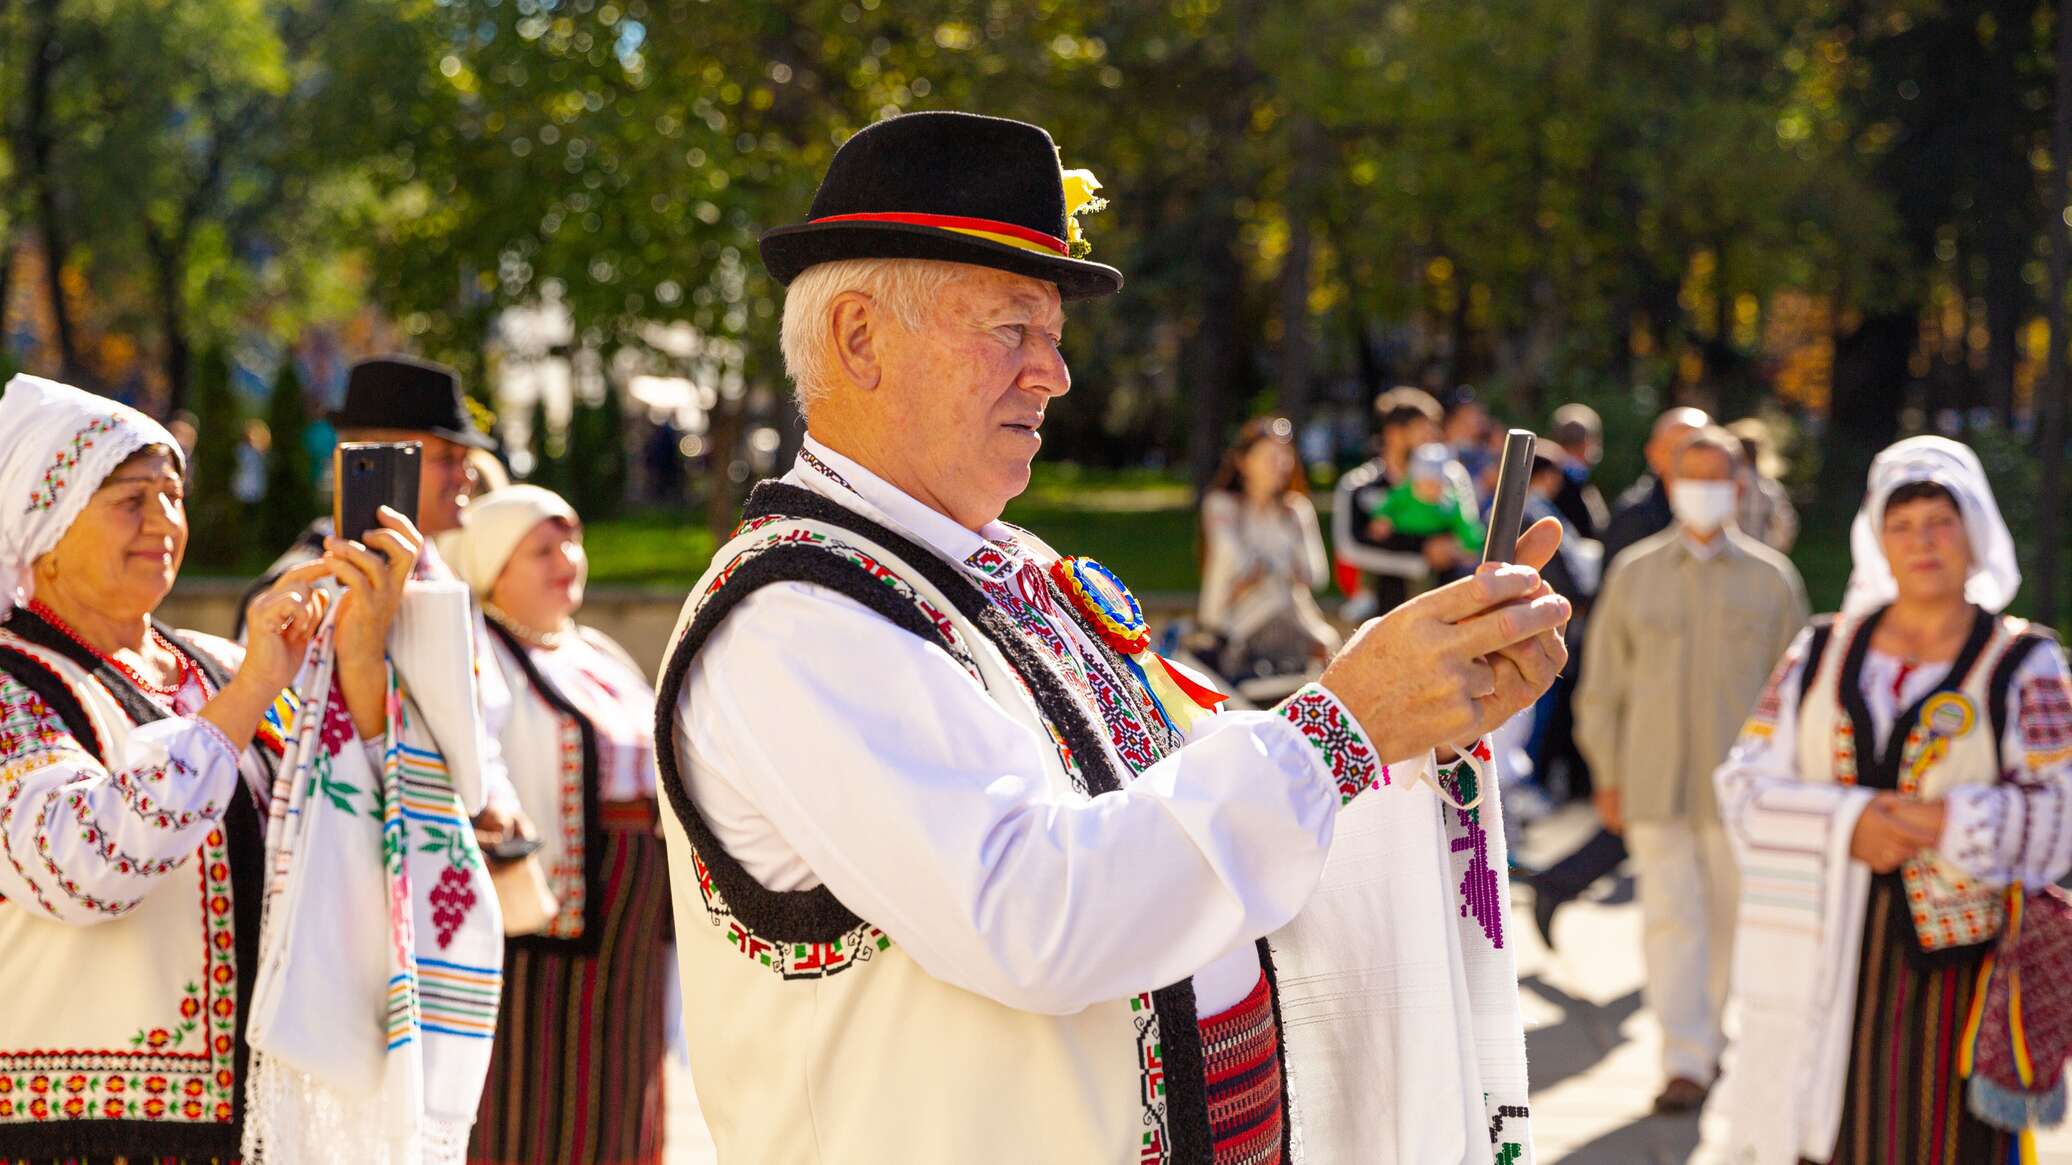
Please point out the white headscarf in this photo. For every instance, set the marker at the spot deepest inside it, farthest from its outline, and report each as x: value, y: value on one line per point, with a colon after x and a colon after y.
x: 1995, y: 573
x: 492, y: 527
x: 57, y: 443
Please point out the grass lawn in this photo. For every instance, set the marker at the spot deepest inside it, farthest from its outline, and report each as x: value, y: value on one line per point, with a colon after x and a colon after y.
x: 1139, y: 524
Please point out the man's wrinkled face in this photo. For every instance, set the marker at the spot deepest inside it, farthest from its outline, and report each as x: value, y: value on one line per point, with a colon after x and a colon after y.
x: 971, y: 386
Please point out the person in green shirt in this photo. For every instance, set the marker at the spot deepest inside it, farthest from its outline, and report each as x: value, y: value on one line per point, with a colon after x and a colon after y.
x: 1433, y: 499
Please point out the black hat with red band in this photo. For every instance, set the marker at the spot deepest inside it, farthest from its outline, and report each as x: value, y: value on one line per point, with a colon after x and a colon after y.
x: 951, y: 186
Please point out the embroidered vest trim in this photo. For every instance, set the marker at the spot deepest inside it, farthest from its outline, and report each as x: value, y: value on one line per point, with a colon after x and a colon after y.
x: 40, y: 657
x: 776, y: 924
x: 579, y: 925
x: 1951, y: 913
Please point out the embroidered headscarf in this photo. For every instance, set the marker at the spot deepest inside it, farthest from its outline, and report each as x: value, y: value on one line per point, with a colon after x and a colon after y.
x: 57, y: 443
x: 1995, y: 573
x: 493, y: 526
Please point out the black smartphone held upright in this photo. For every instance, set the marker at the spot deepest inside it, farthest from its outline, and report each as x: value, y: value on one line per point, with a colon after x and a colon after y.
x: 367, y: 476
x: 1507, y: 514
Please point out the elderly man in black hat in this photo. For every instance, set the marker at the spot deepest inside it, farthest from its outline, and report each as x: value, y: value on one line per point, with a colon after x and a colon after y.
x: 962, y: 867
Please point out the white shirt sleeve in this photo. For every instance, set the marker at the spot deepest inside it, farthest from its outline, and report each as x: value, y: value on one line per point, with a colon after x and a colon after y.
x: 824, y: 744
x: 493, y: 690
x: 2020, y: 830
x: 1763, y: 801
x: 1316, y: 569
x: 84, y: 842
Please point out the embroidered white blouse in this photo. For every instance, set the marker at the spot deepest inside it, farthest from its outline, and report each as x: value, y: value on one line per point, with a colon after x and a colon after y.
x: 826, y: 745
x: 86, y: 842
x: 608, y: 689
x: 2015, y: 830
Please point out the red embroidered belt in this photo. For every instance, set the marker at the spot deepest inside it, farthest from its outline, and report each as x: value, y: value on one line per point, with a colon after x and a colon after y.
x: 1241, y: 1051
x: 640, y: 816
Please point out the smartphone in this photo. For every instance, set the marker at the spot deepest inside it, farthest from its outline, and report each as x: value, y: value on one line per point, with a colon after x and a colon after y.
x: 367, y: 476
x: 513, y: 848
x: 1507, y: 513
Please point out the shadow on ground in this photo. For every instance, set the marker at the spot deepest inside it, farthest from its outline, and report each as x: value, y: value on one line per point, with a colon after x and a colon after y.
x: 1655, y: 1140
x: 1586, y: 1033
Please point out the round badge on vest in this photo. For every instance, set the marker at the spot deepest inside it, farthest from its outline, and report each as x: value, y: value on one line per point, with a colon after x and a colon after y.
x: 1949, y: 715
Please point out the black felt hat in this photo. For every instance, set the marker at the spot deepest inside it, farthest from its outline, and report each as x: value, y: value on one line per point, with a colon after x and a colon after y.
x: 399, y: 392
x: 951, y: 186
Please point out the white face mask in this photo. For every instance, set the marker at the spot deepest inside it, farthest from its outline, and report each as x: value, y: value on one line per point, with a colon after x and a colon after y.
x: 1704, y: 506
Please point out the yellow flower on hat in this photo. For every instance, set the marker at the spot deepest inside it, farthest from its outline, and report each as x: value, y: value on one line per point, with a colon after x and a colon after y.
x: 1079, y: 196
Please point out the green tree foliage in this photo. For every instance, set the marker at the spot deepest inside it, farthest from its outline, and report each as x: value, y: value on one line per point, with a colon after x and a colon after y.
x: 596, y: 463
x: 1311, y: 199
x: 215, y: 518
x: 550, y: 468
x: 291, y: 496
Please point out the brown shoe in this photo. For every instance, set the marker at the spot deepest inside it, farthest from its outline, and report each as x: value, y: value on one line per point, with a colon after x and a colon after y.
x: 1682, y: 1094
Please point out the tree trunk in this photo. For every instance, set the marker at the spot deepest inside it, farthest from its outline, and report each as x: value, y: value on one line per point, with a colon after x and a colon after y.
x: 1298, y: 340
x: 1870, y: 383
x: 2050, y: 515
x: 1217, y: 378
x: 41, y: 142
x: 167, y: 257
x: 2004, y: 310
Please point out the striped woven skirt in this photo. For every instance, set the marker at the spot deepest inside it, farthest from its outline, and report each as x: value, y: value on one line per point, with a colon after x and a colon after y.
x: 576, y: 1074
x: 1241, y: 1058
x: 1904, y: 1103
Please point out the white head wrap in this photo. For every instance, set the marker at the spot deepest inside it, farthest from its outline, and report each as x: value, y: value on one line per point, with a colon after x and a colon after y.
x: 1995, y: 573
x: 492, y: 527
x: 57, y: 443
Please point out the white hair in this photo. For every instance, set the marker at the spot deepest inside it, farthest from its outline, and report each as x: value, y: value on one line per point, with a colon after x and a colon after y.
x: 907, y: 288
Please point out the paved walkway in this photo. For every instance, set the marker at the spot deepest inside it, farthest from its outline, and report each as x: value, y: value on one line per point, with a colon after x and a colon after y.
x: 1594, y: 1052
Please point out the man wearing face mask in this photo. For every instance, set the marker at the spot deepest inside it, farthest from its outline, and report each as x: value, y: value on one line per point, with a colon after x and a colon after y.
x: 1682, y: 639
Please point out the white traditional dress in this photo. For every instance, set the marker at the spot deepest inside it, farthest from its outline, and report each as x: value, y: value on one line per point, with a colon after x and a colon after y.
x: 576, y: 1076
x: 1853, y: 989
x: 131, y: 836
x: 954, y: 878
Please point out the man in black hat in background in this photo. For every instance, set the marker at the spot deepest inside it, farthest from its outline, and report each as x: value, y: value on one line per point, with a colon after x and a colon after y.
x: 401, y: 398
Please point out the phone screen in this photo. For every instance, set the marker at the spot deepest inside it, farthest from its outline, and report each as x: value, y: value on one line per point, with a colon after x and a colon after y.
x: 367, y: 476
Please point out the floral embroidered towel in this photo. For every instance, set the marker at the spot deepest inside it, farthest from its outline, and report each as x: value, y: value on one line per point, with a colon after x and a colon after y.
x: 380, y: 946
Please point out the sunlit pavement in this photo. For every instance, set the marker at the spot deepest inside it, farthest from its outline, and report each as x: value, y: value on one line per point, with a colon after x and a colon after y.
x: 1594, y: 1066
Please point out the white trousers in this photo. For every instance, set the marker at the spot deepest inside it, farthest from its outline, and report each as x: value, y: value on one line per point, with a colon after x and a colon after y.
x: 1689, y: 892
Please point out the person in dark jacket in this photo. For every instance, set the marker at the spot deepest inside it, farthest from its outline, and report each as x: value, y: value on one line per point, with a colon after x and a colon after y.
x: 1385, y: 564
x: 1578, y: 433
x: 1643, y: 510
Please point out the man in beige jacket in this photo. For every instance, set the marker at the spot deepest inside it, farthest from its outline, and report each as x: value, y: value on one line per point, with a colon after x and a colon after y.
x: 1685, y: 631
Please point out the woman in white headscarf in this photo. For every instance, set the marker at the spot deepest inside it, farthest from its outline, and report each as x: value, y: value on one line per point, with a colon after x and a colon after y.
x: 586, y: 984
x: 1910, y: 758
x: 135, y: 769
